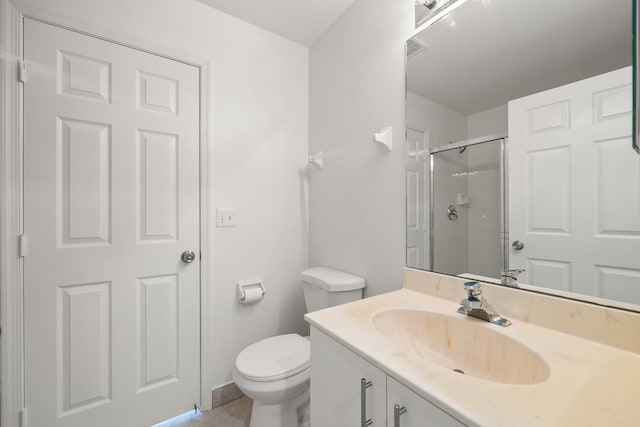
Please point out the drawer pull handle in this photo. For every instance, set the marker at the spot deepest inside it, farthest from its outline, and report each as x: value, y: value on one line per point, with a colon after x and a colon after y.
x: 397, y: 411
x: 364, y: 385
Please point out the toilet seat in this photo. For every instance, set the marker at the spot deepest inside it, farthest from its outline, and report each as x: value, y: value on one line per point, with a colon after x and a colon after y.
x: 275, y: 358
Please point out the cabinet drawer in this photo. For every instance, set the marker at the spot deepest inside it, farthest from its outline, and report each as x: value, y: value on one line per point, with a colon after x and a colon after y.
x: 419, y: 412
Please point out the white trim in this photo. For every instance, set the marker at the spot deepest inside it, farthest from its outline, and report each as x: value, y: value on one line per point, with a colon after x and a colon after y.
x: 54, y: 17
x: 468, y: 142
x: 11, y: 373
x: 11, y: 341
x: 206, y: 124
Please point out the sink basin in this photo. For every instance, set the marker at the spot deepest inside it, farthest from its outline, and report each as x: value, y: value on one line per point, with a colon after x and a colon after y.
x: 468, y: 346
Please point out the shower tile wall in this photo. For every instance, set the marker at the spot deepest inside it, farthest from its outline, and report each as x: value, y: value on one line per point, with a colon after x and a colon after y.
x: 470, y: 242
x: 451, y: 253
x: 483, y: 174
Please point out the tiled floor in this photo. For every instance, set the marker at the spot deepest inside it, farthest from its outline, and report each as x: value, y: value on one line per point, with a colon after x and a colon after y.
x: 234, y: 414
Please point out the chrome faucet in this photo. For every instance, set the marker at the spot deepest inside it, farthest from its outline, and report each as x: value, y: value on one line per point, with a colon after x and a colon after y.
x: 510, y: 277
x: 475, y: 305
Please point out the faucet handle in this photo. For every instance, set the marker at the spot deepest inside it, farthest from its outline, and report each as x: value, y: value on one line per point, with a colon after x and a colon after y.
x: 473, y: 289
x: 513, y: 273
x: 510, y: 277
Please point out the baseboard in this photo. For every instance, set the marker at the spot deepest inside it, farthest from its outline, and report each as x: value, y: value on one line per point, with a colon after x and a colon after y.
x: 225, y: 394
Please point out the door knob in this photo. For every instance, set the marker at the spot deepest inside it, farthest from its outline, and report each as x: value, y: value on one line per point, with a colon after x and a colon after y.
x: 517, y: 245
x: 188, y: 256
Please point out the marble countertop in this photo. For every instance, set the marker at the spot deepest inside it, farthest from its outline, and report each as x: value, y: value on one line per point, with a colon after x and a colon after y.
x: 590, y: 384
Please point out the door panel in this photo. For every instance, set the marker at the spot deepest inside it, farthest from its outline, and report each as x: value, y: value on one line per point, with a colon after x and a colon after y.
x: 574, y: 184
x: 417, y: 149
x: 111, y: 200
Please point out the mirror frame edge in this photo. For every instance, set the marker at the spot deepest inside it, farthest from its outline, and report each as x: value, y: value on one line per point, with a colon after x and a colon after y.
x: 635, y: 55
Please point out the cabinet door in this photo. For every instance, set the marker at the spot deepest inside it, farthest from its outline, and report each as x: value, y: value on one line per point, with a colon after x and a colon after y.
x: 336, y: 374
x: 418, y: 412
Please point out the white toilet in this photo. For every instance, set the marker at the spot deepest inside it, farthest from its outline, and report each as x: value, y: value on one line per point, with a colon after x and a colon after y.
x: 274, y: 372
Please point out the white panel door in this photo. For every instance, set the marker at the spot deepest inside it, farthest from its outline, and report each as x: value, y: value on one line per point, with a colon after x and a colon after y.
x: 416, y: 171
x: 111, y: 201
x: 574, y: 188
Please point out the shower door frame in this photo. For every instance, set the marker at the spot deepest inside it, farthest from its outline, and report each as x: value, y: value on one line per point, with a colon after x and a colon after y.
x: 504, y: 191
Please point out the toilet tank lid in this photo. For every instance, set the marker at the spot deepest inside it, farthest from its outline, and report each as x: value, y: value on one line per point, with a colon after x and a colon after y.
x: 332, y: 280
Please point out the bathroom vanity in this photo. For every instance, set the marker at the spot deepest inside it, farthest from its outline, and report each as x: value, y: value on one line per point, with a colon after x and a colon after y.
x: 341, y: 378
x: 543, y: 179
x: 411, y: 349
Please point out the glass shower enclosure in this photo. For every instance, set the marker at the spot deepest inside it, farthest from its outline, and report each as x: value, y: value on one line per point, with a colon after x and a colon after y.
x: 468, y: 208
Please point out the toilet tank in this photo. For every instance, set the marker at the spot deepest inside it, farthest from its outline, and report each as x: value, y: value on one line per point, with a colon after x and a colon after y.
x: 325, y: 287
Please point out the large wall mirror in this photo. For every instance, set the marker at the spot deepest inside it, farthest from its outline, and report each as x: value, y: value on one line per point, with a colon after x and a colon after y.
x: 519, y: 151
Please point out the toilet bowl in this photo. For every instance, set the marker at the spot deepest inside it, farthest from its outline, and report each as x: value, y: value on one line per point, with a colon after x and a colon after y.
x: 275, y: 372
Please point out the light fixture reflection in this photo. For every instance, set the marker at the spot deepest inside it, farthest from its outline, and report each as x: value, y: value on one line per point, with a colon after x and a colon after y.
x: 450, y: 7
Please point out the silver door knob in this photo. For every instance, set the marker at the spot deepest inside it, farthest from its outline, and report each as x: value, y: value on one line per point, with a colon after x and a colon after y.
x: 188, y: 256
x: 517, y: 245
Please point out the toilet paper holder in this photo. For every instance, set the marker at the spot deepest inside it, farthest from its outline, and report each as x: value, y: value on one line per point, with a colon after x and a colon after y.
x: 247, y: 291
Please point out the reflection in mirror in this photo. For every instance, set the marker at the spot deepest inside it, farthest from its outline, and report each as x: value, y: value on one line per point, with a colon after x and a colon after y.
x: 636, y: 82
x: 430, y: 10
x: 519, y: 147
x: 465, y: 234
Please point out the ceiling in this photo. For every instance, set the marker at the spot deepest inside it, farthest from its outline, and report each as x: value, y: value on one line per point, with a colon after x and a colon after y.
x: 301, y: 21
x: 488, y: 52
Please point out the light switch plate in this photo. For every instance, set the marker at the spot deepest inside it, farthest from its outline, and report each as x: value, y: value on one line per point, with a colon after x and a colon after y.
x: 225, y: 217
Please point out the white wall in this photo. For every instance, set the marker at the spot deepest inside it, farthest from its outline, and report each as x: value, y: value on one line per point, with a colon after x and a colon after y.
x: 258, y: 158
x: 356, y: 87
x: 488, y: 122
x: 444, y: 124
x: 447, y: 125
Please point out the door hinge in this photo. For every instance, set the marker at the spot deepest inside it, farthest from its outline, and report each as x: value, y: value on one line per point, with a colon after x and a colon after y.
x: 22, y: 71
x: 23, y: 245
x: 22, y: 417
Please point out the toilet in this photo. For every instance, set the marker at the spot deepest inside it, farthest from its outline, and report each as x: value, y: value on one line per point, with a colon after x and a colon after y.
x: 274, y: 372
